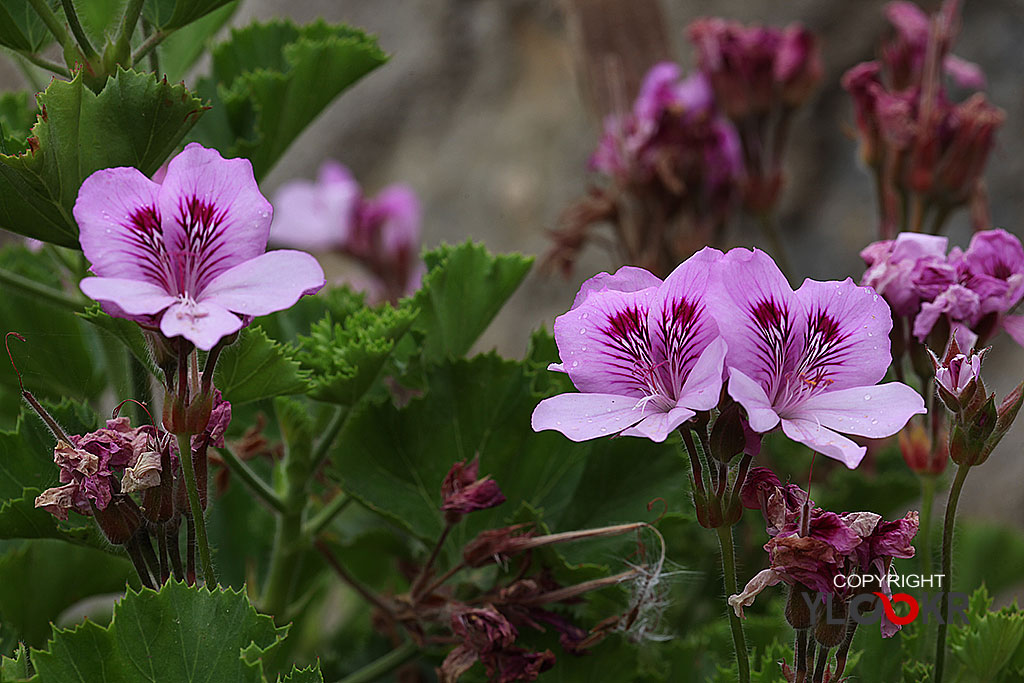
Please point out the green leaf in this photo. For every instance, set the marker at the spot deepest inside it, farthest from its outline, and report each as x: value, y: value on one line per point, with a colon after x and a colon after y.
x: 271, y: 80
x: 256, y: 367
x: 15, y: 669
x: 173, y: 14
x: 16, y: 118
x: 463, y: 290
x: 128, y: 333
x: 53, y: 360
x: 988, y: 642
x: 345, y: 355
x: 41, y: 579
x: 20, y: 26
x: 177, y: 634
x: 20, y: 518
x: 136, y: 120
x: 180, y: 50
x: 310, y: 674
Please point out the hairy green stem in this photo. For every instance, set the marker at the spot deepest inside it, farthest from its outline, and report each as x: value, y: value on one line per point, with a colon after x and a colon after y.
x: 947, y: 567
x: 192, y: 489
x: 44, y: 63
x: 729, y: 571
x: 40, y: 291
x: 149, y: 45
x: 130, y: 20
x: 252, y: 480
x: 352, y: 581
x: 924, y: 545
x: 389, y: 662
x: 320, y: 450
x: 77, y: 30
x: 327, y: 513
x: 52, y: 22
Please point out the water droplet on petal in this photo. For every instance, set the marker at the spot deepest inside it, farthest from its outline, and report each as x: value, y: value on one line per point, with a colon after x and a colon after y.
x: 583, y: 348
x: 874, y: 298
x: 867, y: 397
x: 583, y: 330
x: 871, y: 334
x: 590, y: 420
x: 575, y: 363
x: 584, y: 316
x: 874, y: 422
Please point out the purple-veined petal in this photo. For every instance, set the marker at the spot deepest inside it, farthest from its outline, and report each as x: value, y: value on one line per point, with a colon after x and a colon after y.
x: 847, y: 338
x: 119, y: 226
x: 605, y: 344
x: 625, y: 279
x: 213, y: 215
x: 824, y: 441
x: 680, y: 324
x: 316, y: 215
x: 586, y: 416
x: 703, y: 386
x: 758, y: 315
x: 872, y: 411
x: 204, y: 323
x: 749, y: 394
x: 131, y: 296
x: 657, y: 426
x: 270, y: 282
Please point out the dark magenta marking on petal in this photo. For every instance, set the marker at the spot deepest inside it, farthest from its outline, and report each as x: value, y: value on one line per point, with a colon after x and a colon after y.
x: 679, y: 327
x: 144, y: 244
x: 201, y: 257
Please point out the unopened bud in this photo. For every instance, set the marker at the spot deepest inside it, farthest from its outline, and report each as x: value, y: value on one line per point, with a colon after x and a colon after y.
x: 830, y: 625
x: 119, y: 520
x: 921, y: 455
x: 728, y: 438
x: 798, y: 610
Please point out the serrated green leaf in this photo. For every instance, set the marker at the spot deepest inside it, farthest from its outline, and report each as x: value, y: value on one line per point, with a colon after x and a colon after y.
x: 20, y: 518
x: 41, y: 579
x: 20, y: 25
x: 16, y: 668
x: 181, y: 49
x: 310, y: 674
x: 173, y: 14
x: 345, y: 355
x: 464, y: 288
x: 271, y: 80
x: 136, y: 120
x: 177, y: 634
x: 255, y: 367
x: 128, y: 333
x: 988, y: 642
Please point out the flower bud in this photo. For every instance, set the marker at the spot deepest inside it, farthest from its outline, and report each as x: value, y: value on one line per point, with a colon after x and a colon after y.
x: 119, y: 520
x: 798, y: 611
x: 463, y: 492
x: 917, y: 449
x: 831, y: 634
x: 728, y: 437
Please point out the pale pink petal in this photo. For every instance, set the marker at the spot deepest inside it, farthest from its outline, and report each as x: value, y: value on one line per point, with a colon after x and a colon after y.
x: 625, y: 279
x: 119, y: 225
x: 964, y: 73
x: 703, y: 386
x: 316, y: 215
x: 270, y: 282
x: 586, y: 416
x: 847, y: 334
x: 762, y: 580
x: 131, y: 296
x: 758, y: 315
x: 204, y: 324
x: 604, y: 343
x: 749, y: 394
x: 1014, y: 326
x: 872, y: 411
x: 212, y: 209
x: 658, y: 426
x: 398, y: 211
x: 824, y: 441
x: 556, y: 367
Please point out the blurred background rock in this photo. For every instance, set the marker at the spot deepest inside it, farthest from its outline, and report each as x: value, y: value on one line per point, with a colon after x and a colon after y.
x: 482, y: 111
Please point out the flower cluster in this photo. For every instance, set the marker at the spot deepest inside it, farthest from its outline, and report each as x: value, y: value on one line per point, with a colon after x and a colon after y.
x: 647, y: 355
x: 967, y: 293
x: 691, y: 147
x: 809, y: 548
x: 922, y: 145
x: 381, y: 233
x: 760, y: 75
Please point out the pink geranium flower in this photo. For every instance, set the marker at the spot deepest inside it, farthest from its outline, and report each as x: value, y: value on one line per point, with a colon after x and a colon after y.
x: 188, y: 253
x: 808, y: 359
x: 645, y: 355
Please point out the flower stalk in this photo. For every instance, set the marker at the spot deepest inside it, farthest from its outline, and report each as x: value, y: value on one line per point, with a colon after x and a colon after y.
x: 196, y: 509
x: 947, y: 567
x: 735, y: 625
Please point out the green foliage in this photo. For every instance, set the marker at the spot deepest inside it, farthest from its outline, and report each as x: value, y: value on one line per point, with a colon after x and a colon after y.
x: 15, y: 668
x: 128, y: 333
x: 176, y: 634
x: 464, y: 288
x: 20, y: 26
x: 345, y: 355
x: 16, y: 118
x: 310, y: 674
x: 990, y: 646
x: 975, y: 544
x: 256, y: 367
x: 181, y: 49
x: 167, y: 15
x: 271, y: 80
x: 137, y: 120
x: 39, y: 580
